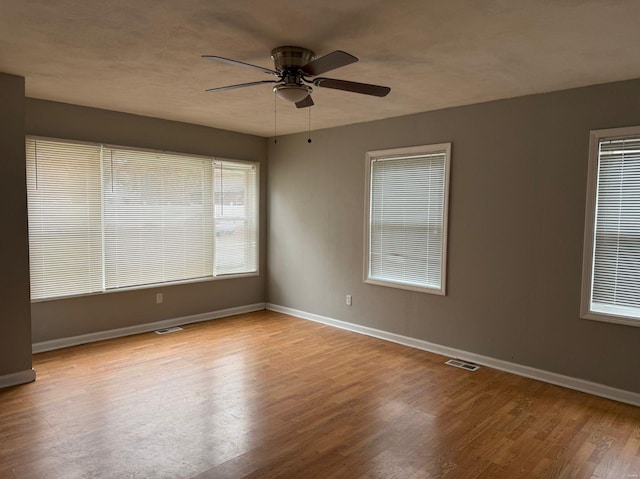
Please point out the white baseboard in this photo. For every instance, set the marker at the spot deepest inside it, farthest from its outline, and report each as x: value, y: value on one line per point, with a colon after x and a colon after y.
x: 582, y: 385
x: 20, y: 377
x: 141, y: 328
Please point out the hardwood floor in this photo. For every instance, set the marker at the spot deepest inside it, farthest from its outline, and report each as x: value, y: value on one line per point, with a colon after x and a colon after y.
x: 265, y: 395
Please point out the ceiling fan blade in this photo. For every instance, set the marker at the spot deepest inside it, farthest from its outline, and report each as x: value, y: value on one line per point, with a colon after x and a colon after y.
x: 331, y: 61
x: 308, y: 101
x: 241, y: 85
x: 364, y: 88
x: 241, y: 64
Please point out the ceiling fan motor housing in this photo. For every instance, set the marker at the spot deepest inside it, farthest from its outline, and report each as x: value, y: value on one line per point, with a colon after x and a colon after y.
x: 287, y: 61
x: 286, y: 57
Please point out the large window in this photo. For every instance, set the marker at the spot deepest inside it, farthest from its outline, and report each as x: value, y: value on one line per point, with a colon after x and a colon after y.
x: 103, y: 218
x: 406, y: 224
x: 611, y: 273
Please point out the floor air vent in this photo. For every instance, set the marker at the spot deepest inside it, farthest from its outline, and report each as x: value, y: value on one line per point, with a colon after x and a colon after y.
x: 462, y: 365
x: 168, y: 330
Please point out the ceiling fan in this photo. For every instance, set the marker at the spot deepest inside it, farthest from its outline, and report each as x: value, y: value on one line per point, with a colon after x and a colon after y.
x: 297, y: 68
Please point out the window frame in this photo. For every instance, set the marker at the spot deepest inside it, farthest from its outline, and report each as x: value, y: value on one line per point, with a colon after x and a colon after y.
x: 403, y: 152
x: 213, y: 277
x: 586, y: 312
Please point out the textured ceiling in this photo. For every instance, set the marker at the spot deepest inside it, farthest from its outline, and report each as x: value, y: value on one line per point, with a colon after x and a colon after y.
x: 143, y: 56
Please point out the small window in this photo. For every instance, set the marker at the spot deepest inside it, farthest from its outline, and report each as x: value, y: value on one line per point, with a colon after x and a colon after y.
x: 406, y: 224
x: 611, y: 269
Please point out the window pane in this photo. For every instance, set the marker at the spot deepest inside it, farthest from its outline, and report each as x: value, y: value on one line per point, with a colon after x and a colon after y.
x: 407, y: 218
x: 236, y: 218
x: 158, y: 218
x: 65, y: 238
x: 616, y: 258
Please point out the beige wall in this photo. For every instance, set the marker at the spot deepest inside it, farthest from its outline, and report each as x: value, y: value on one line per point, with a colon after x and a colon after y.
x: 75, y: 316
x: 518, y: 189
x: 15, y: 338
x: 518, y: 185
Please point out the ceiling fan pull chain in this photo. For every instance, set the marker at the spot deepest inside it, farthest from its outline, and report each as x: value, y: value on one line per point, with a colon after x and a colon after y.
x: 309, y: 133
x: 275, y: 117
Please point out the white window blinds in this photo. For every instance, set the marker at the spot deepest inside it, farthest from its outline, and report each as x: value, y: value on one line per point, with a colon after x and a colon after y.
x: 158, y: 217
x: 616, y: 248
x: 103, y: 218
x: 407, y: 217
x: 65, y: 218
x: 236, y: 217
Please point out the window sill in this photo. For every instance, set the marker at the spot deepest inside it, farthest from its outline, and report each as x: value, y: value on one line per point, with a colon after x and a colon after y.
x: 408, y: 287
x: 606, y: 318
x: 151, y: 286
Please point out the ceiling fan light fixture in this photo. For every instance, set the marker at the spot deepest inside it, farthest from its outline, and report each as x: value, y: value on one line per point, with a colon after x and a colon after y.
x: 292, y: 93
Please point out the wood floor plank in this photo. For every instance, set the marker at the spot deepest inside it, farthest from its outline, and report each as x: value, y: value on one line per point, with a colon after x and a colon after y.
x: 266, y: 395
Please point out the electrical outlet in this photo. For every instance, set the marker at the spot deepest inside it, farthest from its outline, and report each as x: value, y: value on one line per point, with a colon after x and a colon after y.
x: 159, y: 298
x: 348, y: 300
